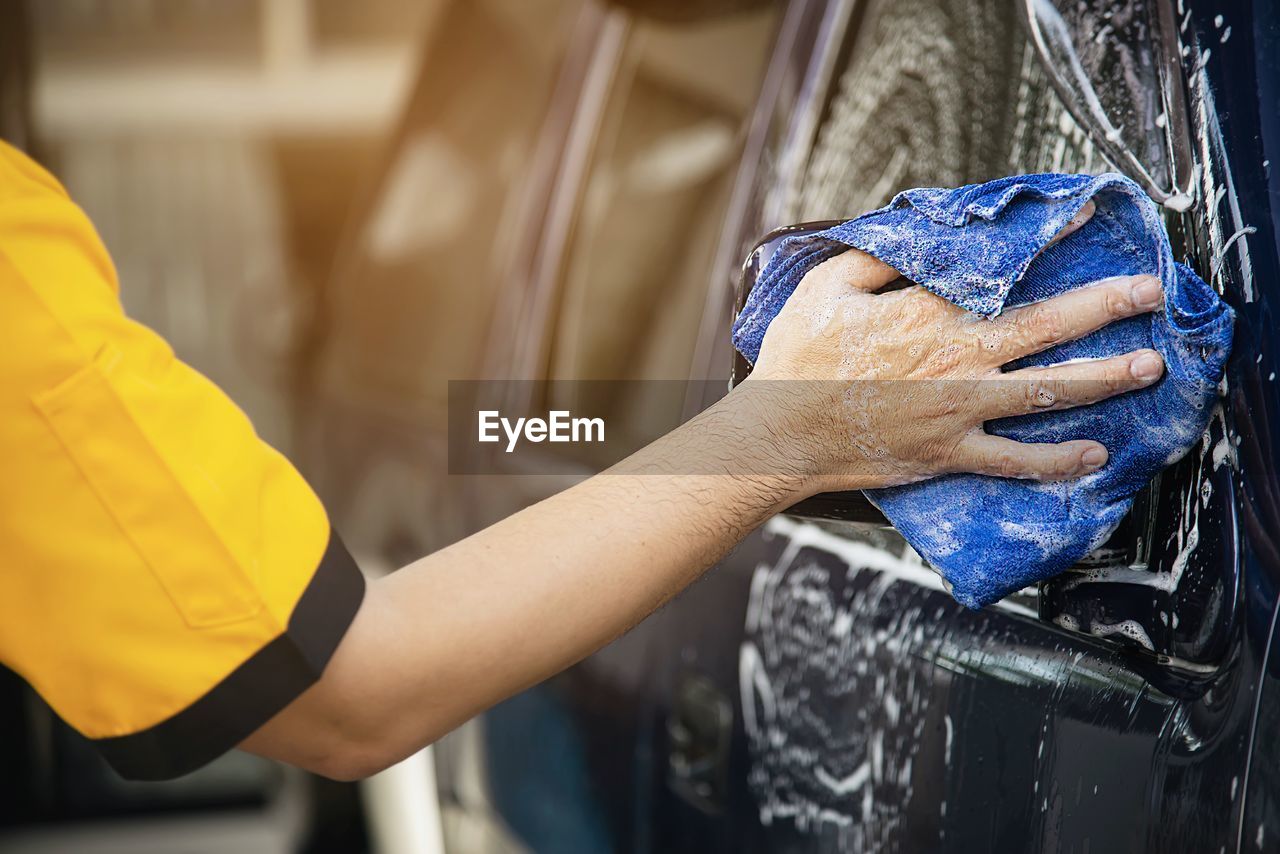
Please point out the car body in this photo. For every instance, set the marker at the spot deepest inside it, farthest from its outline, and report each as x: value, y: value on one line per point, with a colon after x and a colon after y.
x: 819, y: 690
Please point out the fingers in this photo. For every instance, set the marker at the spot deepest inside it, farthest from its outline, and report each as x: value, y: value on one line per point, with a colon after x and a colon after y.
x: 1032, y: 328
x: 1064, y: 386
x: 858, y: 270
x: 1075, y: 224
x: 867, y: 273
x: 997, y: 456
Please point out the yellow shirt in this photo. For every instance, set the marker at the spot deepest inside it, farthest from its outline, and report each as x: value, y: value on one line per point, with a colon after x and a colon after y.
x: 168, y: 581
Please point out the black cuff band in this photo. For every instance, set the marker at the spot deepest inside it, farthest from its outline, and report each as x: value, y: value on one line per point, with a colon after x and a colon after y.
x: 256, y: 690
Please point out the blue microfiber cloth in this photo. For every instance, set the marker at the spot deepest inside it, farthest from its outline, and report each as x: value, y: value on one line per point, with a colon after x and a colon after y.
x: 978, y: 246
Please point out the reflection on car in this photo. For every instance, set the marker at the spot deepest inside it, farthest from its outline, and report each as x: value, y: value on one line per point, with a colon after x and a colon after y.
x: 819, y: 690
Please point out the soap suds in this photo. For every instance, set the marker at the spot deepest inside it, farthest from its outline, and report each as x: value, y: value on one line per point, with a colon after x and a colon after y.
x: 845, y: 785
x: 1221, y: 254
x: 1212, y: 161
x: 1129, y: 628
x: 819, y: 760
x: 1053, y: 38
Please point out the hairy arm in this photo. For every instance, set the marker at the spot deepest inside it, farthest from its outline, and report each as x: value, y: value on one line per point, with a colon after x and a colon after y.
x: 459, y: 630
x: 853, y: 389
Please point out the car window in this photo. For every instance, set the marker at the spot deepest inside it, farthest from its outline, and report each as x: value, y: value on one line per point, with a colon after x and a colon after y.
x: 635, y: 275
x: 1115, y: 65
x: 410, y: 307
x: 424, y: 264
x: 929, y: 95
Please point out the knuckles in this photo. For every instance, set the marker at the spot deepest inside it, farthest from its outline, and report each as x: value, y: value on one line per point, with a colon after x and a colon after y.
x: 1040, y: 395
x: 1117, y: 378
x: 943, y: 361
x: 1062, y: 464
x: 1005, y: 464
x: 950, y: 404
x: 1046, y: 326
x: 1117, y: 303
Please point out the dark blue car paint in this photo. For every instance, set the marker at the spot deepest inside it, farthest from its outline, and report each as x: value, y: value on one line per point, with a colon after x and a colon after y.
x: 1001, y: 730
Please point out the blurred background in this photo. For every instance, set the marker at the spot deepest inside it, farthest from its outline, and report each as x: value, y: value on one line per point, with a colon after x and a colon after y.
x: 331, y: 209
x: 334, y: 208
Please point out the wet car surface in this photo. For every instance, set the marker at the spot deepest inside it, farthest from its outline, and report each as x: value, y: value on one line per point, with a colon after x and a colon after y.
x: 819, y: 690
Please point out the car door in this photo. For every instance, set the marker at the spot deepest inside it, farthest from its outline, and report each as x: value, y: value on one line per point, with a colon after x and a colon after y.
x: 545, y: 222
x: 819, y: 691
x: 609, y: 320
x: 1108, y: 710
x: 440, y: 240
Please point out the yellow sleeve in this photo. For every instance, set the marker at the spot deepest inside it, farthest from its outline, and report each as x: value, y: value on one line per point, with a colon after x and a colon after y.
x: 170, y: 580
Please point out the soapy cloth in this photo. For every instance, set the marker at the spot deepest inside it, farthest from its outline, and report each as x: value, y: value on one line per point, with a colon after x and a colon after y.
x: 980, y: 247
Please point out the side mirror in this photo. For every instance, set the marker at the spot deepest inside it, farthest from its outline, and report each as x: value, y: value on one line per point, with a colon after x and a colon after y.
x: 845, y: 506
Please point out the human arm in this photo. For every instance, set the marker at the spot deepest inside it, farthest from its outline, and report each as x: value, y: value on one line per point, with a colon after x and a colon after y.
x: 853, y: 389
x: 202, y: 591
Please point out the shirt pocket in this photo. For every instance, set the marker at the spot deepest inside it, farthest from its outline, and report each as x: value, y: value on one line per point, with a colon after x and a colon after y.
x: 160, y: 517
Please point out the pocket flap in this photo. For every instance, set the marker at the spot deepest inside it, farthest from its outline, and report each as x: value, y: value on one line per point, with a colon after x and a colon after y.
x: 161, y: 518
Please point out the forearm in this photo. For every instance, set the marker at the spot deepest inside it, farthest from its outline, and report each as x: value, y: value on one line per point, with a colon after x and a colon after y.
x: 466, y: 627
x: 852, y: 390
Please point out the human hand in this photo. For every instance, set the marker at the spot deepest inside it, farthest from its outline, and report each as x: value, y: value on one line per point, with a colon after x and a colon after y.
x: 888, y: 387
